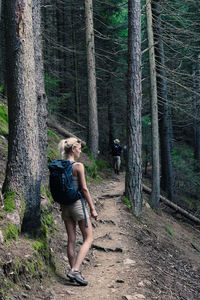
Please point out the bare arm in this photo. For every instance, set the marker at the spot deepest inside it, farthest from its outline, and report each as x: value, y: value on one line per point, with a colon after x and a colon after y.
x: 79, y: 171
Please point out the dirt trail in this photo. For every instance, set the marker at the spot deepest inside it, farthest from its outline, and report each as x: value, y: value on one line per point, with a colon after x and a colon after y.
x: 129, y: 260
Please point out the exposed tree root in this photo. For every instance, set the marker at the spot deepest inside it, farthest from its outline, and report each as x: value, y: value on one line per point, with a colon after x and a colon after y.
x: 106, y: 249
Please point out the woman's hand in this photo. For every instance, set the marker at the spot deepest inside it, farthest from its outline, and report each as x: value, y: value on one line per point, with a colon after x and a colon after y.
x: 94, y: 214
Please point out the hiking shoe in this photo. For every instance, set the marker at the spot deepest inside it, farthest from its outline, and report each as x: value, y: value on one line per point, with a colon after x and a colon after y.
x: 70, y: 275
x: 78, y: 277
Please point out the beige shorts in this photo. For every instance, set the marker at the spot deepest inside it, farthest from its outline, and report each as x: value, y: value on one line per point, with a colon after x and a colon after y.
x: 74, y: 212
x: 117, y: 160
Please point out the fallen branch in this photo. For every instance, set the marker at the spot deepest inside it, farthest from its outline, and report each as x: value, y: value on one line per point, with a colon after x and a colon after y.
x: 195, y: 246
x: 173, y: 205
x: 62, y: 131
x: 72, y: 121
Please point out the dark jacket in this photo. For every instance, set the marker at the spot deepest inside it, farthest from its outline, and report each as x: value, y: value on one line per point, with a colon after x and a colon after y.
x: 116, y: 149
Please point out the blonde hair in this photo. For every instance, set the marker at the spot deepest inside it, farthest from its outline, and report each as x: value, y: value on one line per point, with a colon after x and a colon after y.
x: 65, y: 146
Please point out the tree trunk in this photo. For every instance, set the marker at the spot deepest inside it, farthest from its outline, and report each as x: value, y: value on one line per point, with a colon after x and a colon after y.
x: 155, y: 196
x: 40, y: 88
x: 167, y: 179
x: 2, y: 42
x: 23, y: 167
x: 75, y: 61
x: 134, y: 97
x: 197, y: 116
x: 60, y: 45
x: 111, y: 114
x: 92, y: 92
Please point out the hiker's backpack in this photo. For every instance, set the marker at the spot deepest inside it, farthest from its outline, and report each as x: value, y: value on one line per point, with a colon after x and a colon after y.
x: 116, y: 150
x: 60, y: 182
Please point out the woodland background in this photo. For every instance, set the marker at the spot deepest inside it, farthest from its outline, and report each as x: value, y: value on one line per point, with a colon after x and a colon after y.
x: 176, y: 28
x: 139, y: 82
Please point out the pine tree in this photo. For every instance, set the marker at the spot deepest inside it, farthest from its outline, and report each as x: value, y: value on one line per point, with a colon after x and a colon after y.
x: 23, y: 173
x: 134, y: 132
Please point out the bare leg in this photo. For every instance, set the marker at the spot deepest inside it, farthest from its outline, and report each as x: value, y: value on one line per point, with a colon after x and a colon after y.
x: 115, y: 167
x: 87, y: 242
x: 71, y: 232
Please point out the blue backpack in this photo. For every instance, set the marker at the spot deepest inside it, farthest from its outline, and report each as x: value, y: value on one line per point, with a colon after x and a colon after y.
x: 61, y: 186
x: 60, y: 182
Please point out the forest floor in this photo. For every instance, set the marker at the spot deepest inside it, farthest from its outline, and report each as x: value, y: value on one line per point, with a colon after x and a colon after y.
x: 129, y: 259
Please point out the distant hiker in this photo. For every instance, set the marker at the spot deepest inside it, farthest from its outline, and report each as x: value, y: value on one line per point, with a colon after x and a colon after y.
x: 116, y: 153
x: 70, y: 149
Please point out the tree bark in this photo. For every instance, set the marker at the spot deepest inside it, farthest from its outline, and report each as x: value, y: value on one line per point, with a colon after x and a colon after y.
x: 75, y: 63
x: 167, y: 178
x: 197, y: 115
x: 92, y: 92
x: 111, y: 114
x: 40, y: 88
x: 2, y: 46
x: 1, y: 77
x: 23, y: 167
x: 155, y: 196
x: 134, y: 97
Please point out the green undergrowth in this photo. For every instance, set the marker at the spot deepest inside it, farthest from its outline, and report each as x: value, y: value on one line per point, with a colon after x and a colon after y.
x: 18, y: 270
x: 169, y: 230
x: 96, y: 167
x: 53, y: 140
x: 41, y: 245
x: 10, y: 232
x: 40, y: 260
x: 3, y: 119
x: 187, y: 176
x: 45, y: 192
x: 127, y: 201
x: 9, y: 201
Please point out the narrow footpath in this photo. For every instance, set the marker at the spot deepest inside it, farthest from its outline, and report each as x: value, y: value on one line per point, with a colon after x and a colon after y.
x: 129, y: 260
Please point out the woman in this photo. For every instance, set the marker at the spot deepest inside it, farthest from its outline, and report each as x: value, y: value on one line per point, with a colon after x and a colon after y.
x: 70, y: 149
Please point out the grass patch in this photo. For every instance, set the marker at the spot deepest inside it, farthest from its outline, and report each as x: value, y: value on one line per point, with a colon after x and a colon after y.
x: 11, y: 232
x: 127, y: 202
x: 102, y: 165
x: 169, y: 230
x: 46, y: 193
x: 51, y: 134
x: 53, y: 140
x: 3, y: 119
x: 9, y: 201
x: 52, y: 154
